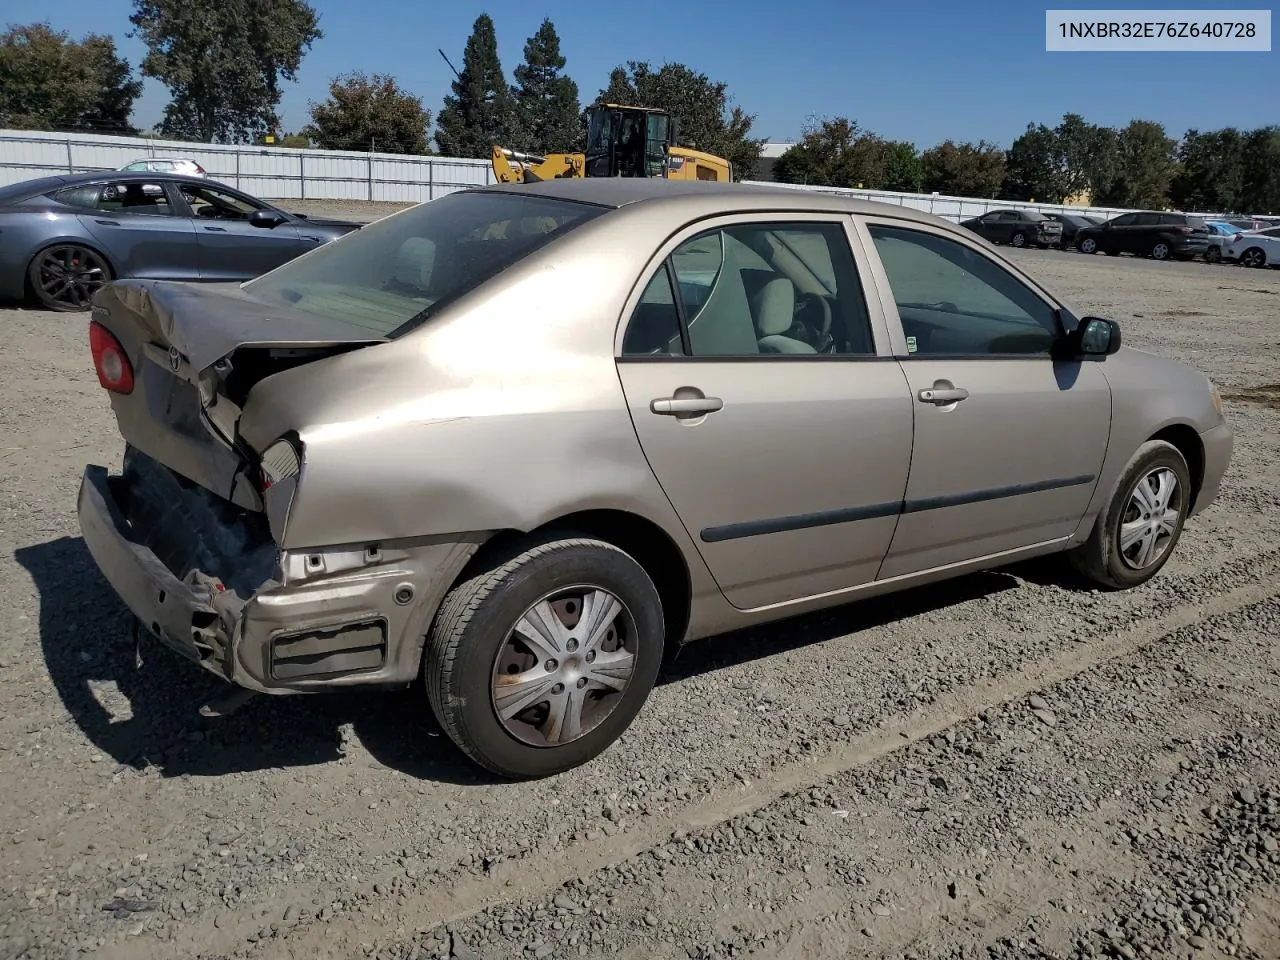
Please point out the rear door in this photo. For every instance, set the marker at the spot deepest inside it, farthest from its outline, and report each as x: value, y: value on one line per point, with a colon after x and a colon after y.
x: 231, y: 248
x: 1008, y: 442
x: 767, y: 402
x: 138, y: 227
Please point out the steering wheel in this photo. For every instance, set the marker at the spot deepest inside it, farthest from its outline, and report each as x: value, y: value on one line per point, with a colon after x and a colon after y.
x: 824, y: 328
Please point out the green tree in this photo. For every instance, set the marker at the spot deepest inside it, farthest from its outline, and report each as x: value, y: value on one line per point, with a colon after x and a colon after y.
x: 1144, y: 167
x: 480, y: 112
x: 546, y: 101
x: 1210, y: 172
x: 1261, y: 193
x: 223, y: 62
x: 903, y: 170
x: 1030, y: 166
x: 964, y: 170
x: 369, y: 113
x: 49, y: 81
x: 700, y: 106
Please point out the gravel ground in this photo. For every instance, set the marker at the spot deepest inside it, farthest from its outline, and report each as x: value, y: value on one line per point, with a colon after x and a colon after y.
x: 1001, y: 766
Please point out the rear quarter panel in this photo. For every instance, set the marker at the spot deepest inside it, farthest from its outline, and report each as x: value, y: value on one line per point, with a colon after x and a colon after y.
x: 26, y: 231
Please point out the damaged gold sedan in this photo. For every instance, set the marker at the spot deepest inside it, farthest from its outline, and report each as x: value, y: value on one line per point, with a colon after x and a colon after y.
x: 521, y: 440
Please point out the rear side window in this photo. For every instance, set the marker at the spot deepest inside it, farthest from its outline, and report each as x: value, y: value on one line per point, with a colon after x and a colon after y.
x: 393, y: 274
x: 85, y: 196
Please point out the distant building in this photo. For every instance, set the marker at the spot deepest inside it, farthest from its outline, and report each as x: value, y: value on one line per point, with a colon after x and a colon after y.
x: 768, y: 155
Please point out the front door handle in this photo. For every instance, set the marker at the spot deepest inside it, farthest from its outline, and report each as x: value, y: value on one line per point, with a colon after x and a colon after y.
x: 108, y: 223
x: 216, y: 229
x: 686, y: 406
x: 943, y: 395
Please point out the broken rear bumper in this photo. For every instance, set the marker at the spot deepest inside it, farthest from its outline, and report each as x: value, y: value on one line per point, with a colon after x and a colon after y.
x: 327, y: 618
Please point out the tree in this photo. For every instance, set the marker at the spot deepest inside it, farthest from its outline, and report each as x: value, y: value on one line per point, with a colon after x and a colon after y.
x: 964, y: 170
x: 480, y: 112
x: 903, y: 170
x: 49, y: 81
x: 1210, y: 172
x: 369, y: 113
x: 223, y: 62
x: 697, y: 103
x: 546, y: 101
x: 1144, y: 167
x: 1261, y: 193
x: 1030, y: 166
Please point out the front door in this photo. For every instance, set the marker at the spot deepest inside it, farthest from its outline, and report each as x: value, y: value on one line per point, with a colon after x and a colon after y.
x: 1008, y: 441
x: 231, y: 248
x: 777, y: 424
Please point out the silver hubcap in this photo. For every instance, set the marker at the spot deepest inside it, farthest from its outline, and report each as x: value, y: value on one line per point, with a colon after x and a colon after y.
x: 1160, y: 251
x: 1088, y: 246
x: 564, y: 666
x: 1150, y: 518
x: 1019, y: 240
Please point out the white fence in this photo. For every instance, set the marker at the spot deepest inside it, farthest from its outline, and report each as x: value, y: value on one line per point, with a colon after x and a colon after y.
x: 281, y: 173
x: 277, y: 173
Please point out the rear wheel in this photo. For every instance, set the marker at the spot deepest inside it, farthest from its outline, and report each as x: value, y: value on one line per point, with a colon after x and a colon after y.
x: 1137, y: 531
x: 540, y: 662
x: 1019, y: 239
x: 67, y: 275
x: 1253, y: 257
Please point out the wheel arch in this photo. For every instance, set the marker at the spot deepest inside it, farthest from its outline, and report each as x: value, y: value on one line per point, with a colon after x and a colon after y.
x: 1184, y: 437
x: 645, y: 541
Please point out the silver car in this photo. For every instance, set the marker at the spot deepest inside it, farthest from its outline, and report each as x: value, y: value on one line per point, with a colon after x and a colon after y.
x: 521, y: 440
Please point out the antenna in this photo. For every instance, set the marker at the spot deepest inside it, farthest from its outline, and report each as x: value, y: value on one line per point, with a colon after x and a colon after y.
x: 451, y: 66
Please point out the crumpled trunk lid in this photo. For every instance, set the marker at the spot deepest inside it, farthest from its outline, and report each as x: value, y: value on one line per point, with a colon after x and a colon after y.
x: 197, y: 350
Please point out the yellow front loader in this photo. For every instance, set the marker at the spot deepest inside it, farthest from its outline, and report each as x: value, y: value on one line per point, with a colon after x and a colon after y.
x: 622, y: 141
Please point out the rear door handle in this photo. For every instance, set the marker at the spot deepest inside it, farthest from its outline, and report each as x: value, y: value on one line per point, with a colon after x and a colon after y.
x: 216, y: 229
x: 943, y: 395
x: 686, y: 406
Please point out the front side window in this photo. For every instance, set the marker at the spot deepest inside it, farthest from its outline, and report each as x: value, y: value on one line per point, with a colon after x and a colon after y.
x: 953, y: 301
x: 210, y: 204
x: 756, y: 290
x: 391, y: 275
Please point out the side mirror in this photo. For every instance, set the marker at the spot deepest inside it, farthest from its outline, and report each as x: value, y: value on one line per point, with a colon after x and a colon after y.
x: 1097, y: 337
x: 267, y: 219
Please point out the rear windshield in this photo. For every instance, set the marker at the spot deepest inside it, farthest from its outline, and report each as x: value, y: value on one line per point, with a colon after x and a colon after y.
x: 390, y: 276
x: 29, y: 188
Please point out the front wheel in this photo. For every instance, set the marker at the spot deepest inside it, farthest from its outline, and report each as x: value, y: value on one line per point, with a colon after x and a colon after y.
x: 1136, y: 532
x: 1213, y: 255
x: 540, y: 662
x: 1088, y: 245
x: 1160, y: 250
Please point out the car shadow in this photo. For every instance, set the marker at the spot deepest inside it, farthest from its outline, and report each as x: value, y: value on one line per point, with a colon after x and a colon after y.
x: 148, y: 716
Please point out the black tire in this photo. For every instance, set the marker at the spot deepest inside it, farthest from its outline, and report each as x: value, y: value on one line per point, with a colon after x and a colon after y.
x: 1160, y: 250
x: 474, y: 623
x: 1019, y: 240
x: 1087, y: 242
x: 1253, y: 257
x: 1099, y: 558
x: 1213, y: 255
x: 89, y: 267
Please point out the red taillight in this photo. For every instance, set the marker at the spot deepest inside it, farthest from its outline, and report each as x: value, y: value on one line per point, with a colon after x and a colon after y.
x: 115, y: 373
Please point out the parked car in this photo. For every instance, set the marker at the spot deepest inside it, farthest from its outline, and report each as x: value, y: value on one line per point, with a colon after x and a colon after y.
x: 1219, y: 233
x: 1018, y: 228
x: 491, y: 442
x: 1259, y: 248
x: 1071, y: 225
x: 1147, y: 234
x: 183, y: 165
x: 66, y: 236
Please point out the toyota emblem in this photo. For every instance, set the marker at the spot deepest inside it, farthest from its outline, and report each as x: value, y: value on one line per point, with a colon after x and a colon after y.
x: 175, y: 359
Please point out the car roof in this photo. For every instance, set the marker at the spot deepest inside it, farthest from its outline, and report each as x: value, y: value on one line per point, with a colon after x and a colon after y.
x: 129, y: 176
x: 714, y: 196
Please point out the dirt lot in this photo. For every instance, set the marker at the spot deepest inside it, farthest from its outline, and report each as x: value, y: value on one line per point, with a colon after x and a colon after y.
x: 1001, y: 766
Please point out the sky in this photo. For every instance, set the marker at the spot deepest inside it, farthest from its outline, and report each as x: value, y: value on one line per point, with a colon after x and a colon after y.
x: 922, y: 70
